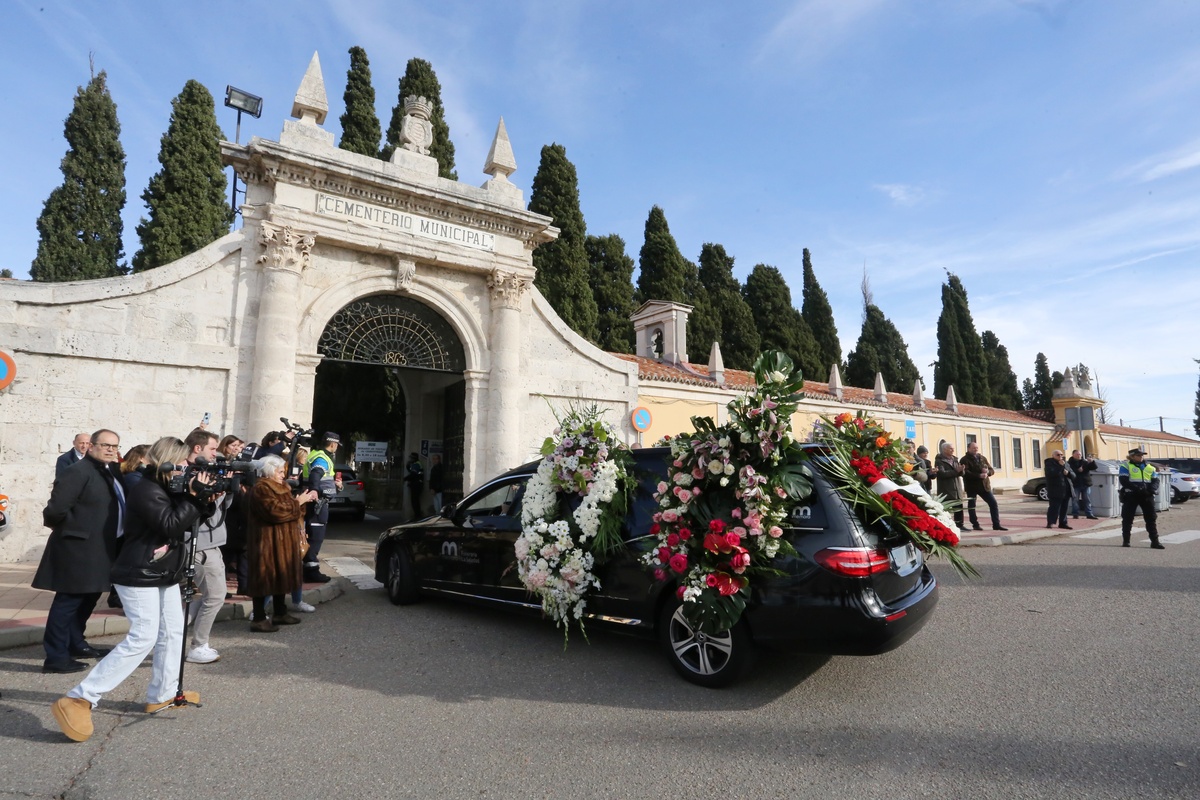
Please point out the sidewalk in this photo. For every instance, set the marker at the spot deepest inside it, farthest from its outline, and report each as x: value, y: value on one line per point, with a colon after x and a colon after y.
x: 23, y: 609
x: 1025, y: 518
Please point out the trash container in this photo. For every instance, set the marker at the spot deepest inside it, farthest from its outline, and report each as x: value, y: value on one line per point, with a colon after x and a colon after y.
x: 1104, y: 489
x: 1162, y: 498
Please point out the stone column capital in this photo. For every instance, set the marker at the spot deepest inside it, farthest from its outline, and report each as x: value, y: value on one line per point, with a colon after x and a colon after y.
x: 285, y: 248
x: 507, y: 288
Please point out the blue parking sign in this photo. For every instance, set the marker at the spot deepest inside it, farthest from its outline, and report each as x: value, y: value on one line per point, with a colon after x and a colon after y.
x: 910, y: 429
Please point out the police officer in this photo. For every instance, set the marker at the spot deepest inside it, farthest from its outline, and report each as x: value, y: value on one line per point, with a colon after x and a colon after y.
x: 1139, y: 484
x: 319, y: 476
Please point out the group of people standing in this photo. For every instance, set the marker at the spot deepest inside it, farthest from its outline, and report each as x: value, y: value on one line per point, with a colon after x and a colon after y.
x: 970, y: 475
x: 129, y: 526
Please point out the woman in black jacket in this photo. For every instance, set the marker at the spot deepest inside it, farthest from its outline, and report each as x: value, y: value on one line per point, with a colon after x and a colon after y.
x: 146, y: 576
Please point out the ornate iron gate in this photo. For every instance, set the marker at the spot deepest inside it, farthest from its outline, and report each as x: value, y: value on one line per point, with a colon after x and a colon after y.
x: 394, y: 332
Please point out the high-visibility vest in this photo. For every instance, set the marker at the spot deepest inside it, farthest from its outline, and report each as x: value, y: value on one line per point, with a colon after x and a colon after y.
x: 1139, y: 473
x: 320, y: 458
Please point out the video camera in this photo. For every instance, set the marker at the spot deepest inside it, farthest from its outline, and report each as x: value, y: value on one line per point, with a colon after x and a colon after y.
x: 227, y: 476
x: 300, y: 437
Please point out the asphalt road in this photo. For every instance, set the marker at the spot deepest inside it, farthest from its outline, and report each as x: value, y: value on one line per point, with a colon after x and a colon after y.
x: 1068, y: 671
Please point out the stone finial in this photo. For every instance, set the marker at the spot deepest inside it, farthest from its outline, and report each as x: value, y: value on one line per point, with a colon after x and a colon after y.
x: 500, y: 159
x: 716, y: 364
x: 880, y: 389
x: 951, y: 400
x: 1068, y: 378
x: 835, y: 382
x: 311, y: 104
x: 918, y: 394
x: 416, y: 131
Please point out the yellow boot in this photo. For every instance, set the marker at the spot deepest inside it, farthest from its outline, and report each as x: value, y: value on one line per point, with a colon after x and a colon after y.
x: 74, y: 716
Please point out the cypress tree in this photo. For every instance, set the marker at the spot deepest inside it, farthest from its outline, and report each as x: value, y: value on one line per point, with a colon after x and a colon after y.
x: 703, y: 327
x: 1043, y: 383
x: 610, y: 274
x: 79, y: 230
x: 819, y: 315
x: 189, y: 206
x: 880, y: 349
x: 1002, y: 381
x: 420, y: 81
x: 1028, y: 394
x: 736, y: 330
x: 662, y: 268
x: 6, y: 273
x: 562, y: 265
x: 779, y: 323
x: 360, y: 124
x: 1196, y: 408
x: 960, y: 350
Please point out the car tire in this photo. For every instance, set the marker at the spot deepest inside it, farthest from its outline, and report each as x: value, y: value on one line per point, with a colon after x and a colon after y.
x: 1043, y: 494
x: 706, y: 660
x: 401, y: 583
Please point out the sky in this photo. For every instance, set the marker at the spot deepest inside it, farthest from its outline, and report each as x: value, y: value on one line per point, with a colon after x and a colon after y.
x: 1045, y: 151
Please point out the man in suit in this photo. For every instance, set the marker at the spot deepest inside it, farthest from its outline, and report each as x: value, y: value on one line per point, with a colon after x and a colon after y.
x: 79, y: 449
x: 86, y: 515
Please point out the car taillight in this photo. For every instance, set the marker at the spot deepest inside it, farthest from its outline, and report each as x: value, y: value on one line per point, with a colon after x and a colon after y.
x: 358, y: 484
x: 854, y: 562
x: 1189, y: 479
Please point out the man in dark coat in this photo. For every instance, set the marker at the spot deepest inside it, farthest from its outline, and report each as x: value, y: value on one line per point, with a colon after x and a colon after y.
x: 79, y: 449
x: 85, y: 515
x: 948, y: 470
x: 1059, y: 480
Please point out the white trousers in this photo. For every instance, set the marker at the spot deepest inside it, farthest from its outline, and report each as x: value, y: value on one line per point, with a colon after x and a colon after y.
x: 210, y: 580
x: 155, y: 617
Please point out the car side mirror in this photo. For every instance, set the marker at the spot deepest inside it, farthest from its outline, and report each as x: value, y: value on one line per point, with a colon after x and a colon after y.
x: 447, y: 510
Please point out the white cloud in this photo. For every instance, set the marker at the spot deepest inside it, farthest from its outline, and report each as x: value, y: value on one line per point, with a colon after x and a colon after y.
x: 813, y: 28
x: 1165, y: 164
x: 900, y: 193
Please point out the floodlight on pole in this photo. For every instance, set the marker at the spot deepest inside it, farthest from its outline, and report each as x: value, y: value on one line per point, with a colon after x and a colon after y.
x: 251, y: 104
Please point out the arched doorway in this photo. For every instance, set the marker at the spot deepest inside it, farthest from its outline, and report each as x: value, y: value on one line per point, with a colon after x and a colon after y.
x: 392, y: 370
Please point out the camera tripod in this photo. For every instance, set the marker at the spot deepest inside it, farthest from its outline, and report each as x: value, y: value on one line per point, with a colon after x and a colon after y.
x: 187, y: 593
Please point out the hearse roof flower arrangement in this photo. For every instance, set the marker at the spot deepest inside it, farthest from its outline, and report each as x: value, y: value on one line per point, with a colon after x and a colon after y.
x: 726, y: 496
x: 572, y: 512
x: 870, y: 470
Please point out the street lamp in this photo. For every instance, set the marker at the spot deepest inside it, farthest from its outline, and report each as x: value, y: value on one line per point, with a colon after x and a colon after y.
x: 251, y: 104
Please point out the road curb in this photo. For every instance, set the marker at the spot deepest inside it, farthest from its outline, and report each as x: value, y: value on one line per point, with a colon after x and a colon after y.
x: 1018, y: 537
x: 114, y: 624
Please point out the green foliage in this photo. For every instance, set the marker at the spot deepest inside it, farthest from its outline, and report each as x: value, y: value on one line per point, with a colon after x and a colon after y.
x: 779, y: 323
x: 360, y: 125
x: 880, y: 349
x: 420, y: 81
x: 79, y: 229
x: 1196, y: 408
x: 562, y: 265
x: 1042, y: 389
x: 1002, y: 381
x: 189, y: 207
x: 6, y: 273
x: 819, y: 315
x: 662, y: 268
x: 960, y: 351
x: 610, y: 273
x: 1027, y: 394
x: 736, y: 330
x: 703, y: 326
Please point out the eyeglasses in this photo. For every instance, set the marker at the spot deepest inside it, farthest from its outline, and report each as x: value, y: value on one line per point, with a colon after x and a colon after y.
x: 106, y: 445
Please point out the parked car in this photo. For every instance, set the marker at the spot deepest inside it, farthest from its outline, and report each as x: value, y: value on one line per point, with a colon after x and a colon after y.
x: 1184, y: 486
x: 851, y: 588
x: 353, y: 496
x: 1036, y: 486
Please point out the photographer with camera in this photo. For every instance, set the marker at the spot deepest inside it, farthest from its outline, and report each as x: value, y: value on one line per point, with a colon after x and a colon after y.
x: 210, y: 564
x: 161, y: 510
x: 319, y: 477
x: 1139, y: 484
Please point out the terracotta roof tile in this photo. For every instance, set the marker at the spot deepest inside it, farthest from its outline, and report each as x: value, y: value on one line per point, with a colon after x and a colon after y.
x: 739, y: 380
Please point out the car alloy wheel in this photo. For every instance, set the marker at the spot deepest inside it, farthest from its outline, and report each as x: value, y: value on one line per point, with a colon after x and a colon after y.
x: 711, y: 660
x: 1043, y: 494
x: 401, y: 584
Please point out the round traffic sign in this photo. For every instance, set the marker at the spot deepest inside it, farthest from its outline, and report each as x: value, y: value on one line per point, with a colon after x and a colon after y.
x: 8, y: 369
x: 641, y: 419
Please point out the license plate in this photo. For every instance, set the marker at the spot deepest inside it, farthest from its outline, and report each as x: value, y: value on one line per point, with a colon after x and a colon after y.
x: 337, y: 500
x: 906, y: 559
